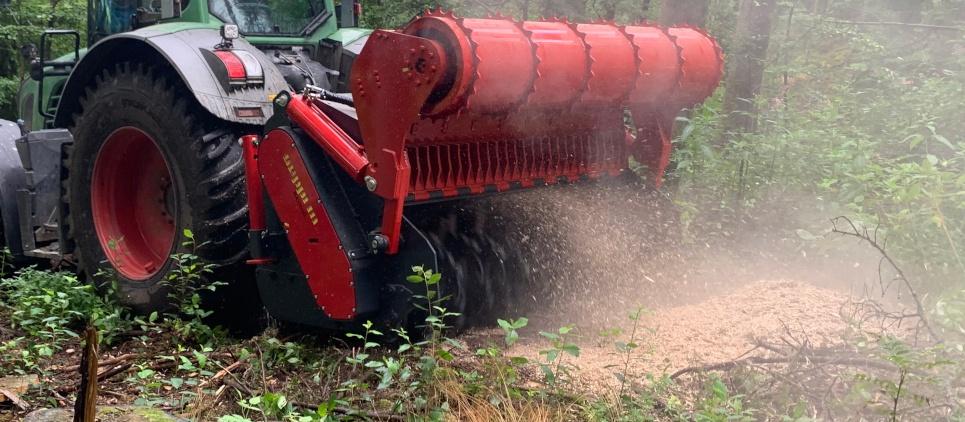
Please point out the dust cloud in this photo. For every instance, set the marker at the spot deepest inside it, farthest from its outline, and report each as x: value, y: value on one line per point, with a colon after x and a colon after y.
x: 596, y: 252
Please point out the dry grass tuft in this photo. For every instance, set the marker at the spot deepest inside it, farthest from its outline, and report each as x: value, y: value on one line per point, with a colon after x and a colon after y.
x: 465, y: 407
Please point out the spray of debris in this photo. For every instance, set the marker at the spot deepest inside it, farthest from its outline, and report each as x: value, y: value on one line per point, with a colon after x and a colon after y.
x: 593, y: 252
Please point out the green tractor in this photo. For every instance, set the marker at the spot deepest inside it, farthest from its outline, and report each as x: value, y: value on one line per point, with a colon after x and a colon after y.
x: 151, y: 109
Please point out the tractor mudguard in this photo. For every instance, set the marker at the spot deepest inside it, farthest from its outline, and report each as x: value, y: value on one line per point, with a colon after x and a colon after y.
x: 11, y: 180
x: 181, y: 50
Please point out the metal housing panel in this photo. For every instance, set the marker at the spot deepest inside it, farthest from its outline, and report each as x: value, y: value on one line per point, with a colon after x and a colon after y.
x: 310, y: 231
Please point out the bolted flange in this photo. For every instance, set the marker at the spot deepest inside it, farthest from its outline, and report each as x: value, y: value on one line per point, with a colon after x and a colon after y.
x: 378, y: 242
x: 371, y: 183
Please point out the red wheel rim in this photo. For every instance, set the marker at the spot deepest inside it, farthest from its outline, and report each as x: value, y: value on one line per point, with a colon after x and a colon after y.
x: 133, y: 203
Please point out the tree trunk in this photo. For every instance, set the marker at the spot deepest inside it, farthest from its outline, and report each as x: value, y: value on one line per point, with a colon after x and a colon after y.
x: 818, y: 7
x: 549, y: 9
x: 677, y: 12
x: 609, y: 10
x: 747, y: 61
x: 909, y: 11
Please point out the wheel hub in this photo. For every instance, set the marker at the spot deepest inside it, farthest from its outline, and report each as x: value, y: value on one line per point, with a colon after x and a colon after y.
x: 134, y: 203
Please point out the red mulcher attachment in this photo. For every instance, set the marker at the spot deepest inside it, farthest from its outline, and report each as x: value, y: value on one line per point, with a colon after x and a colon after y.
x: 451, y: 107
x: 457, y: 106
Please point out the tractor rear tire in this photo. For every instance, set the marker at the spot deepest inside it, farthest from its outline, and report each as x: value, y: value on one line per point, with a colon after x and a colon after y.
x: 147, y: 165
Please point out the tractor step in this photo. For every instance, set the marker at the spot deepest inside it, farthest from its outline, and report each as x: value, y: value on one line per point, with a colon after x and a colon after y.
x: 38, y: 201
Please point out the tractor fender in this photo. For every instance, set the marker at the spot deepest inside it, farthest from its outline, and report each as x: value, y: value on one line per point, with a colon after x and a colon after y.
x: 12, y: 179
x: 179, y: 51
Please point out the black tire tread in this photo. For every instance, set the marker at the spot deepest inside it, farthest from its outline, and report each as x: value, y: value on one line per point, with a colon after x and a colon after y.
x: 218, y: 201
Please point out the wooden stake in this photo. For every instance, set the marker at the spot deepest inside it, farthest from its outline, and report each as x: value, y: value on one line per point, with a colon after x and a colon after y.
x: 85, y: 407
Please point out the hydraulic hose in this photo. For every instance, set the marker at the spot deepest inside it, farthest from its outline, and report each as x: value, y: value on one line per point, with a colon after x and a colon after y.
x: 326, y: 95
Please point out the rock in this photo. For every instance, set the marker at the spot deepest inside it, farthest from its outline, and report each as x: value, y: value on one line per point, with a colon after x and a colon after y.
x: 49, y: 415
x: 135, y: 414
x: 18, y: 385
x: 106, y: 414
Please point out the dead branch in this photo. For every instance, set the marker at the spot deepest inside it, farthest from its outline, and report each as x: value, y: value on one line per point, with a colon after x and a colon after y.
x: 759, y: 343
x: 757, y: 360
x: 864, y: 311
x: 221, y: 374
x: 899, y: 24
x: 120, y: 369
x: 105, y: 362
x: 872, y: 239
x: 101, y: 376
x: 19, y: 402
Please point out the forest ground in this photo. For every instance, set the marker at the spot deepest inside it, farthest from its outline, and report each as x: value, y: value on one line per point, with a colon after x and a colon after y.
x: 688, y: 310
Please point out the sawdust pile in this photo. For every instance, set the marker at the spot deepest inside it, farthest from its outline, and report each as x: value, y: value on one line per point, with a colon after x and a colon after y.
x: 717, y: 329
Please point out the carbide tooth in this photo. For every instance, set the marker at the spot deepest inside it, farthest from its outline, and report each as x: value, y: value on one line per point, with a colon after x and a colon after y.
x: 680, y: 59
x: 534, y: 74
x: 588, y: 72
x: 473, y: 45
x: 636, y: 62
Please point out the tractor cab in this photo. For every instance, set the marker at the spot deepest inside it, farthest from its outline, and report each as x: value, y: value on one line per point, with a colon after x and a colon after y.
x: 310, y: 42
x: 288, y: 18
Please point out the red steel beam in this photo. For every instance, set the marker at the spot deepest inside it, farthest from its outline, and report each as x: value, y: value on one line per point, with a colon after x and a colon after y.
x: 339, y: 145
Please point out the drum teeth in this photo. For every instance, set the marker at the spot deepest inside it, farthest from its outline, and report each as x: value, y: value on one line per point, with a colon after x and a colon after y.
x: 440, y: 12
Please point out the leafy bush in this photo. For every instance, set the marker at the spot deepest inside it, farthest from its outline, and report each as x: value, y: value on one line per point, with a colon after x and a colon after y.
x: 22, y: 23
x: 50, y: 308
x: 51, y: 305
x: 187, y: 280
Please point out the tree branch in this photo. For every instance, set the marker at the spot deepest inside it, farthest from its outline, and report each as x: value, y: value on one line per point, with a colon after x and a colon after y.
x: 910, y: 25
x: 853, y: 231
x: 831, y: 360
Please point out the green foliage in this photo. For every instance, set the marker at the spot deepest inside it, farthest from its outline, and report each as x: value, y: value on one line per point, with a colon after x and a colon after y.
x: 190, y: 366
x: 414, y: 368
x: 49, y: 309
x: 395, y: 14
x: 6, y: 261
x: 923, y: 375
x: 554, y: 366
x: 432, y: 302
x: 275, y: 406
x: 719, y: 405
x: 186, y: 281
x: 270, y: 405
x: 282, y: 354
x: 628, y: 348
x: 950, y: 314
x: 510, y: 329
x: 22, y: 22
x: 361, y: 356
